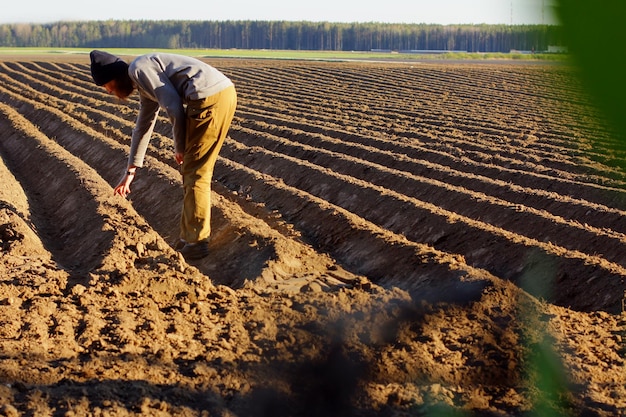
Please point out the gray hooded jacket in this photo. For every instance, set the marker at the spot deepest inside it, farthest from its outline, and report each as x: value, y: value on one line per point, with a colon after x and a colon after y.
x: 168, y: 81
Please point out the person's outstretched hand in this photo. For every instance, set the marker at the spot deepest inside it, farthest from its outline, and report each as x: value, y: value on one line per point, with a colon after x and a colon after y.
x: 123, y: 188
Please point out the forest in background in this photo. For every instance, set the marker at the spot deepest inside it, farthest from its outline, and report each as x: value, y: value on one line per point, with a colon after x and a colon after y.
x: 281, y: 35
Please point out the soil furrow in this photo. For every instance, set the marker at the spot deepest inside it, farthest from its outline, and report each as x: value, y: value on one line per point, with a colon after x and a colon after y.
x: 473, y: 204
x: 157, y: 197
x: 517, y: 155
x: 480, y: 123
x: 71, y: 226
x: 486, y: 164
x: 392, y: 176
x: 513, y: 149
x: 384, y: 257
x: 109, y: 119
x: 60, y: 87
x: 478, y: 242
x: 355, y: 86
x: 556, y: 202
x: 336, y: 178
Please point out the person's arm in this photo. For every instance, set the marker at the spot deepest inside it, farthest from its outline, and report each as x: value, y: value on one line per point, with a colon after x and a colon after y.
x: 144, y: 126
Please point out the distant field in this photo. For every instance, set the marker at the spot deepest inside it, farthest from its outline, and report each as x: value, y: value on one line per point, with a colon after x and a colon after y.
x: 282, y: 54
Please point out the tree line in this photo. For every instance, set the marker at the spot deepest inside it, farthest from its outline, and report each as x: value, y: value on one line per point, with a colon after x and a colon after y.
x: 286, y: 35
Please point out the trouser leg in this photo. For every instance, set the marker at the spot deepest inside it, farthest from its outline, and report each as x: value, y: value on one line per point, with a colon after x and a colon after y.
x: 208, y: 121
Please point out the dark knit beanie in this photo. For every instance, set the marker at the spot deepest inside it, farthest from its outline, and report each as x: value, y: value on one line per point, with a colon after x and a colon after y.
x: 106, y: 67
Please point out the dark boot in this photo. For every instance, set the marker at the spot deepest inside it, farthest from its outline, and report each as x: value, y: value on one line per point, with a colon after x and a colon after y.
x: 195, y: 251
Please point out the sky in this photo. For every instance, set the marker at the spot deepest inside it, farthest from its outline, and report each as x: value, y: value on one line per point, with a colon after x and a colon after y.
x: 387, y: 11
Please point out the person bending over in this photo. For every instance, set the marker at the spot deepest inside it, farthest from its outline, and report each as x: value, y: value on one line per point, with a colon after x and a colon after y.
x: 200, y: 103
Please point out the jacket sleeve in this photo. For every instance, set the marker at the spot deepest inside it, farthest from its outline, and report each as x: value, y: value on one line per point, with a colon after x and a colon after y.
x: 144, y: 125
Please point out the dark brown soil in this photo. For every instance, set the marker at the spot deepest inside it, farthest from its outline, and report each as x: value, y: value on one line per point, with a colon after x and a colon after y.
x: 389, y: 239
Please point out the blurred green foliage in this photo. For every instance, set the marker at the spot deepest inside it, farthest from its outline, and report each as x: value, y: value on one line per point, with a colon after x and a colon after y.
x: 596, y: 39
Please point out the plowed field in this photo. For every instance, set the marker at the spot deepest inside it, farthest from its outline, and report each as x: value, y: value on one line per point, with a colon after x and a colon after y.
x: 388, y: 239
